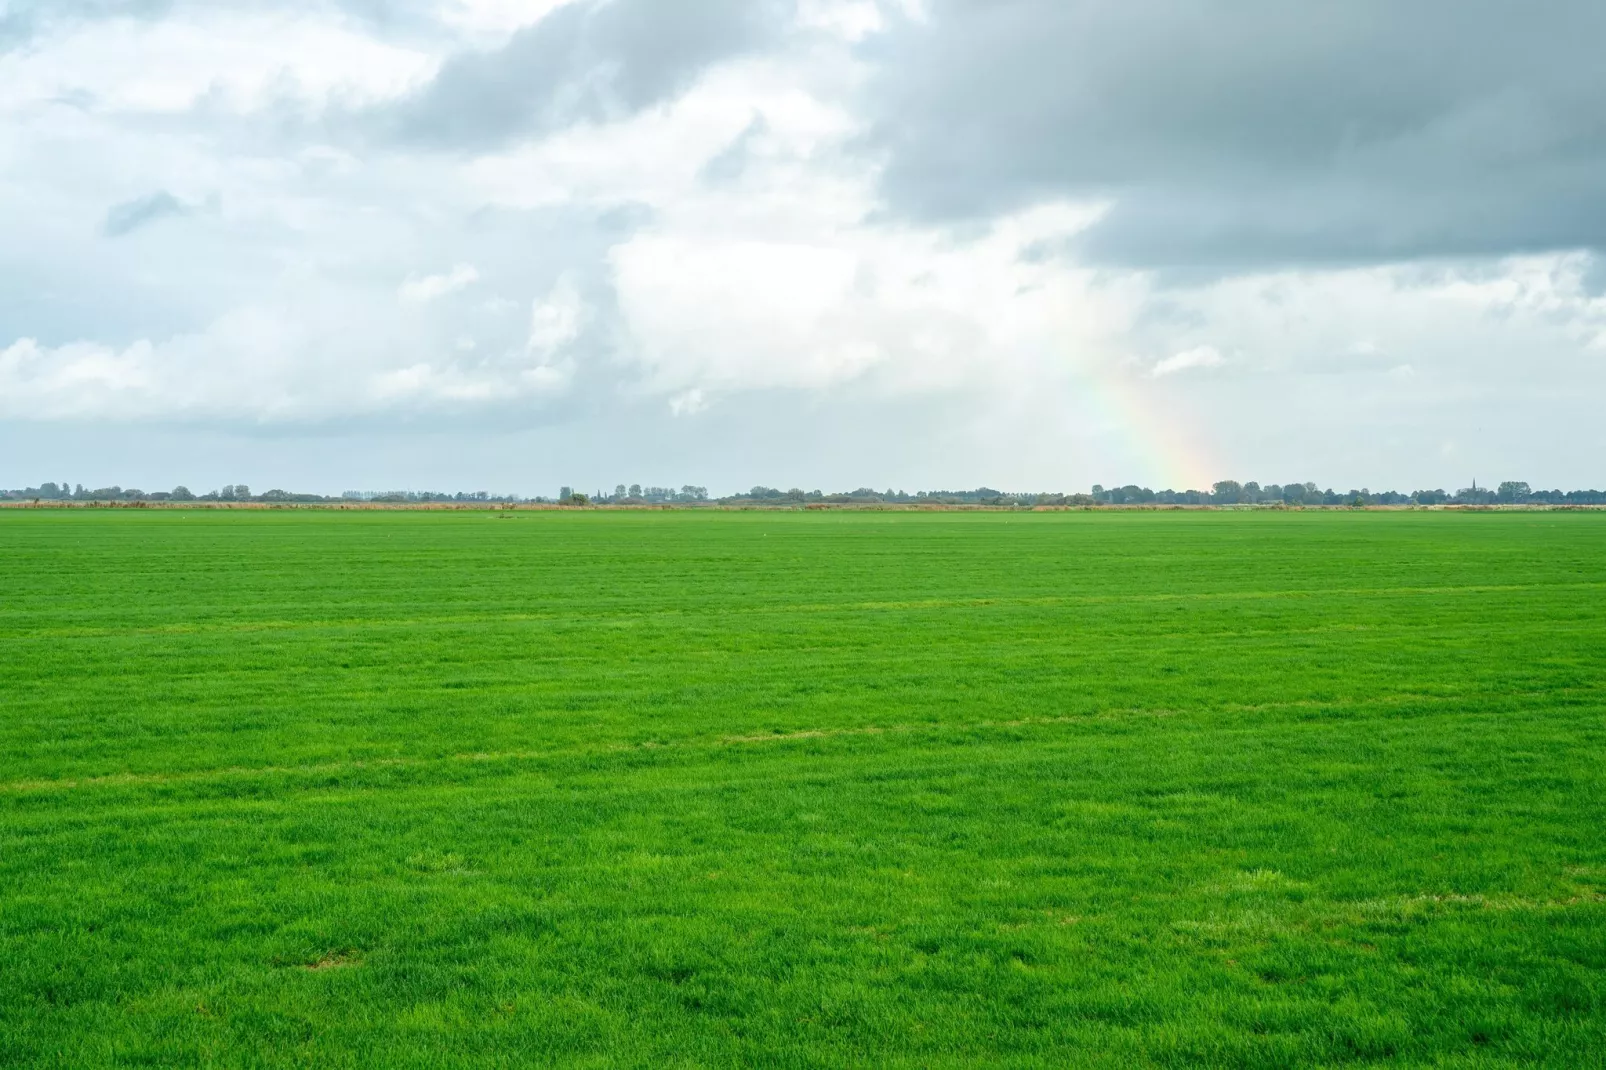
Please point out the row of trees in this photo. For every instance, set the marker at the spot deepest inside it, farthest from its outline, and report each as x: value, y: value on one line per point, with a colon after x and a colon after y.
x: 79, y: 493
x: 979, y: 496
x: 401, y: 496
x: 636, y: 494
x: 1230, y: 492
x: 1227, y: 492
x: 234, y: 492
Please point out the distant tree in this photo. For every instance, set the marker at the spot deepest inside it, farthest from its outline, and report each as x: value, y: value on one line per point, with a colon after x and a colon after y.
x: 620, y: 492
x: 1227, y: 492
x: 182, y: 493
x: 1512, y: 493
x: 635, y: 490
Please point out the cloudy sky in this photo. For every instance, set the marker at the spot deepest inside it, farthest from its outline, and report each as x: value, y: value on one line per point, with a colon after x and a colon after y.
x: 1038, y: 244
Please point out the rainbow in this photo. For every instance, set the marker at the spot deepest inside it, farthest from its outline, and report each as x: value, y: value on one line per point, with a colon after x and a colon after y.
x: 1161, y: 445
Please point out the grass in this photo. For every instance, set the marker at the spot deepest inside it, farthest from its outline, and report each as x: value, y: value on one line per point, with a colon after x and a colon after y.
x: 678, y: 789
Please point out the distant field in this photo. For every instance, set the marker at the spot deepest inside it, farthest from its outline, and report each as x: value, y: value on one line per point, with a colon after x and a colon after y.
x: 686, y: 789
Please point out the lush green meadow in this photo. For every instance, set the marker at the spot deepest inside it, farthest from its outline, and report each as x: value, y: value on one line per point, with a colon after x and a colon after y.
x: 687, y: 789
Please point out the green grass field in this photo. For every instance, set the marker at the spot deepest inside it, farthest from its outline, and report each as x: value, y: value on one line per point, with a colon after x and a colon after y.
x: 688, y: 789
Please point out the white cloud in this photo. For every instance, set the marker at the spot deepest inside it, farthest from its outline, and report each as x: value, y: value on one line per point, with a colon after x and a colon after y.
x: 780, y: 278
x: 490, y: 20
x: 232, y: 61
x: 80, y: 379
x: 853, y: 20
x: 433, y: 287
x: 902, y: 311
x: 268, y: 365
x: 447, y: 384
x: 688, y: 402
x: 656, y: 157
x: 1197, y: 357
x: 1474, y: 321
x: 556, y: 320
x: 739, y: 314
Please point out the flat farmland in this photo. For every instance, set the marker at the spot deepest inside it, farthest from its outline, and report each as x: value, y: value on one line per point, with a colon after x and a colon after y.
x: 412, y: 789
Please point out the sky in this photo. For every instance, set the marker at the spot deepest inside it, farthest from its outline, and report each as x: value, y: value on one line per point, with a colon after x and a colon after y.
x: 330, y: 245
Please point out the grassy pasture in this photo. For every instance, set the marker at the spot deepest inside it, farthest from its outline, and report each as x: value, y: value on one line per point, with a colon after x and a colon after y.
x: 685, y: 789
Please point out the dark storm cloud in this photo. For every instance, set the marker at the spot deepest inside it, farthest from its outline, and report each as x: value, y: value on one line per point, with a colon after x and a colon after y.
x: 584, y: 61
x: 130, y: 216
x: 1260, y: 132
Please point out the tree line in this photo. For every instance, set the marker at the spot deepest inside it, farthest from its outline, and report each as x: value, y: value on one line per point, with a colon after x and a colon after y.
x: 1226, y: 492
x: 1231, y: 492
x: 239, y: 492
